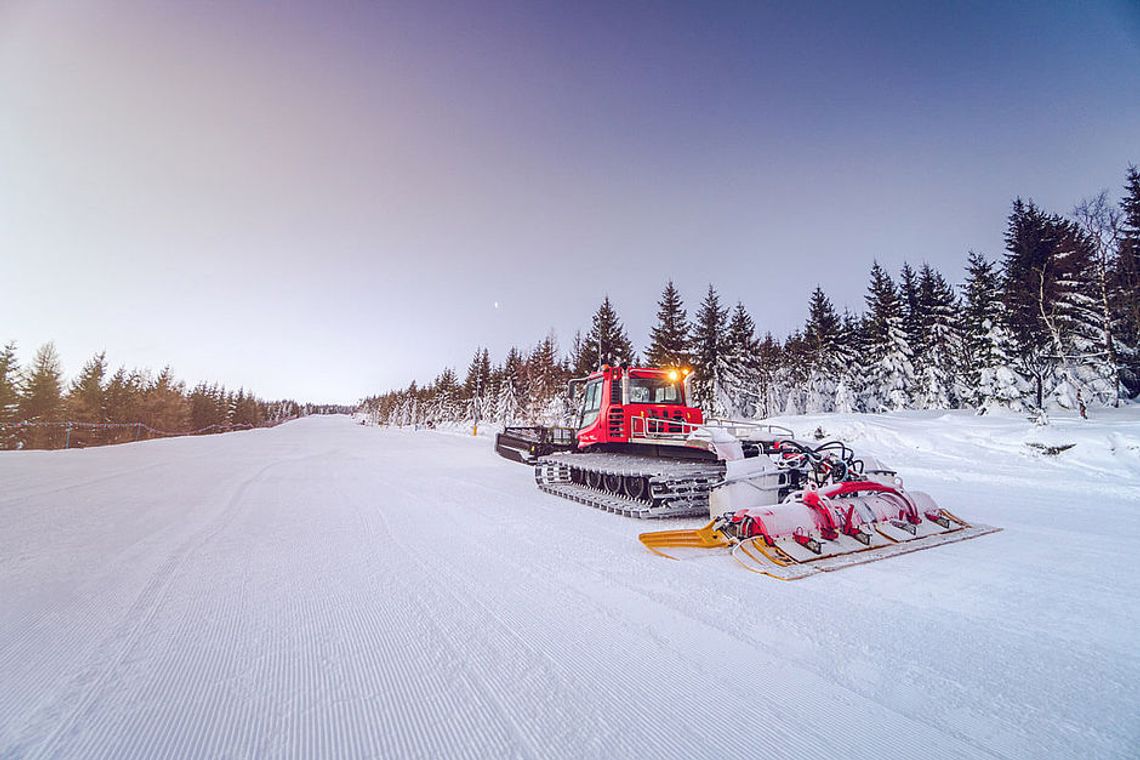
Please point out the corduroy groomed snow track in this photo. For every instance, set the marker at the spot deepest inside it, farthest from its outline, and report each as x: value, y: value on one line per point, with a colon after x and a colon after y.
x: 324, y: 589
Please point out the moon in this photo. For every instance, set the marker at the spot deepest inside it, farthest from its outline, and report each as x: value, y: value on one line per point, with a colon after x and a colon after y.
x: 495, y: 305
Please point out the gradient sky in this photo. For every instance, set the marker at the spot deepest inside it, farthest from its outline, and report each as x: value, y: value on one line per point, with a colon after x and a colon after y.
x: 326, y: 200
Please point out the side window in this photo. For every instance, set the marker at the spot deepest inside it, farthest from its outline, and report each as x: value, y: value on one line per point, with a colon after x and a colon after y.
x: 592, y: 404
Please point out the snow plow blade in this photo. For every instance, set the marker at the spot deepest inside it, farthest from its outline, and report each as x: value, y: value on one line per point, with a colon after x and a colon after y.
x: 708, y: 537
x: 755, y: 556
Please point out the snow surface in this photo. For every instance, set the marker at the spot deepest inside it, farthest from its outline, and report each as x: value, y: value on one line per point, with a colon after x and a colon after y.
x: 327, y: 589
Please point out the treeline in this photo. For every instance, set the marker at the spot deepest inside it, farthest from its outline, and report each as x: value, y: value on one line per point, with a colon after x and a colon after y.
x: 38, y: 410
x: 1053, y: 323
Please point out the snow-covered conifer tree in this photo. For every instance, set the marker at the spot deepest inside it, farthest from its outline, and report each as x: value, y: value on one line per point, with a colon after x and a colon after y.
x: 669, y: 338
x: 709, y: 354
x: 988, y: 377
x: 1102, y: 224
x: 494, y: 387
x: 475, y: 385
x: 889, y: 370
x: 849, y: 390
x: 740, y: 381
x: 792, y: 378
x: 408, y: 411
x: 941, y: 340
x: 768, y: 358
x: 1125, y: 278
x: 823, y: 334
x: 606, y: 343
x: 444, y: 394
x: 512, y: 398
x: 911, y: 310
x: 1050, y: 295
x: 545, y: 381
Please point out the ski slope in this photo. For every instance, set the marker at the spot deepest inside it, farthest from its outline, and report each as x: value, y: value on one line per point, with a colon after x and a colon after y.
x: 325, y: 589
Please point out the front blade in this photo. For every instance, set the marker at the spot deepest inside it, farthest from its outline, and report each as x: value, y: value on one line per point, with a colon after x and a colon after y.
x: 707, y: 537
x: 757, y: 557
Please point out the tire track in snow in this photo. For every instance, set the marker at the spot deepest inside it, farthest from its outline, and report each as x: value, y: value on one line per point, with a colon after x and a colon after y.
x: 478, y: 727
x: 24, y: 495
x: 93, y: 679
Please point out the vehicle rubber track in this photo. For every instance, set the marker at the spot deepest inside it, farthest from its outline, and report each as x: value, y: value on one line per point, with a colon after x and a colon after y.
x: 634, y: 486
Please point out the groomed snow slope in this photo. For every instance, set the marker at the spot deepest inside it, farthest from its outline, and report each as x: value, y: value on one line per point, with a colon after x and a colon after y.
x: 324, y: 589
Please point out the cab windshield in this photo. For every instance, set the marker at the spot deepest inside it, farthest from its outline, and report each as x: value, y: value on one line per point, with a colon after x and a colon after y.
x: 654, y: 390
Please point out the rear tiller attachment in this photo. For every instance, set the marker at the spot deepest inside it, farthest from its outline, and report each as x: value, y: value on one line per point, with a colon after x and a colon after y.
x: 831, y: 528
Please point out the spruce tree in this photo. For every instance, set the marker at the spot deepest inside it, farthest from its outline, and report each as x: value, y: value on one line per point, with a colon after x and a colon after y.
x: 940, y: 336
x: 792, y: 378
x: 478, y: 374
x: 237, y: 409
x: 577, y: 358
x: 123, y: 397
x: 822, y: 337
x: 1024, y: 271
x: 512, y: 398
x: 741, y: 372
x: 445, y: 392
x: 477, y: 382
x: 10, y: 389
x: 849, y: 391
x: 709, y: 354
x: 1101, y: 222
x: 85, y: 401
x: 42, y: 398
x: 988, y: 375
x: 1050, y: 295
x: 545, y: 381
x: 1125, y: 276
x: 221, y: 409
x: 165, y: 407
x: 484, y: 381
x: 910, y: 299
x: 889, y: 369
x: 607, y: 342
x: 203, y: 407
x: 669, y: 338
x: 977, y: 310
x: 768, y: 362
x: 494, y: 386
x: 85, y: 397
x: 408, y: 409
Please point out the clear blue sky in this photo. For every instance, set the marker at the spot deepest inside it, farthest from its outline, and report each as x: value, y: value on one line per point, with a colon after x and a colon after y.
x: 326, y: 200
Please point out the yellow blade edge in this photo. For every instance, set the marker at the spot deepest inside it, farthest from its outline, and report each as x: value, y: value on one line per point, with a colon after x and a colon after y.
x: 707, y: 537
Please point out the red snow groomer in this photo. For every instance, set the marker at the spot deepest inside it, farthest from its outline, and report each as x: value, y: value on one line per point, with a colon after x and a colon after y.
x: 786, y: 507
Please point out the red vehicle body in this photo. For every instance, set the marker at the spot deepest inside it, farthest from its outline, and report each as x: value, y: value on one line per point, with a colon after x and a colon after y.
x: 623, y: 405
